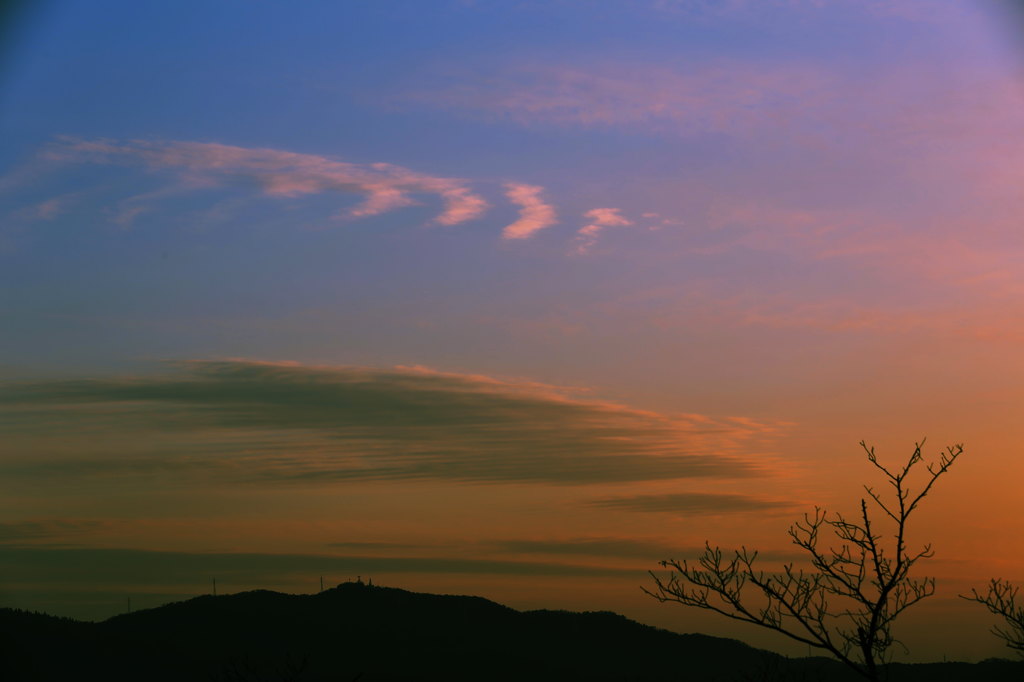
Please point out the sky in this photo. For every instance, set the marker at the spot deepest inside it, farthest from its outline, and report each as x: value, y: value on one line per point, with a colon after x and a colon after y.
x: 503, y: 297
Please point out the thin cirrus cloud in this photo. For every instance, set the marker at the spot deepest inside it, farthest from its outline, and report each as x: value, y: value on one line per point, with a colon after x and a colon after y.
x: 84, y: 583
x: 908, y: 10
x: 280, y: 424
x: 49, y: 209
x: 43, y: 530
x: 689, y: 504
x: 605, y: 547
x: 101, y: 566
x: 726, y: 97
x: 384, y: 187
x: 98, y: 576
x: 534, y: 213
x: 617, y: 548
x: 863, y: 113
x: 45, y: 210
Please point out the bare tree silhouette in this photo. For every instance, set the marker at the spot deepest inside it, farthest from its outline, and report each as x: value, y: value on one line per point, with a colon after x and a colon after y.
x: 846, y: 601
x: 1001, y: 600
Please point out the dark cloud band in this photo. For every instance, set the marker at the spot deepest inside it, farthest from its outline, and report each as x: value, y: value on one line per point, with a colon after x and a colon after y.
x: 271, y: 422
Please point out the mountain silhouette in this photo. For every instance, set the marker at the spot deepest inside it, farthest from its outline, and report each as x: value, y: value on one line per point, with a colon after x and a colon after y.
x: 361, y: 632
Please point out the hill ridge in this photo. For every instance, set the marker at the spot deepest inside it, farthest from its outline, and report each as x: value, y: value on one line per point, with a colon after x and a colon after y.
x: 374, y: 633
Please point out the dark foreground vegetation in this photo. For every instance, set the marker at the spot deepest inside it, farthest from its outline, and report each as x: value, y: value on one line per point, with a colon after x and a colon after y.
x: 365, y: 633
x: 847, y: 598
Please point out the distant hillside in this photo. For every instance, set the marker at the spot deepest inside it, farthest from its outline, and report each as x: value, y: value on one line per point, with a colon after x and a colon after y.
x: 356, y: 631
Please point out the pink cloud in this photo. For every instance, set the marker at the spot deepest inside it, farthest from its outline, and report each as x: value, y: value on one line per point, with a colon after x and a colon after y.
x: 462, y: 205
x: 285, y: 174
x: 382, y: 198
x: 534, y: 214
x: 600, y: 218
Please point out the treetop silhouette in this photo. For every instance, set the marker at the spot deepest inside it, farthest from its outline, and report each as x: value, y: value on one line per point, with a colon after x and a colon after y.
x: 846, y: 600
x: 1001, y: 600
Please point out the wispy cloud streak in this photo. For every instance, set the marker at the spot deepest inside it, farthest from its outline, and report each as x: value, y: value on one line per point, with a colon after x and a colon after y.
x: 20, y: 532
x: 612, y: 547
x: 105, y: 567
x: 279, y: 173
x: 724, y: 97
x: 923, y: 11
x: 690, y: 504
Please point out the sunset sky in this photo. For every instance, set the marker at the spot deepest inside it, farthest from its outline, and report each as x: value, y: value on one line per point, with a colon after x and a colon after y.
x: 511, y: 298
